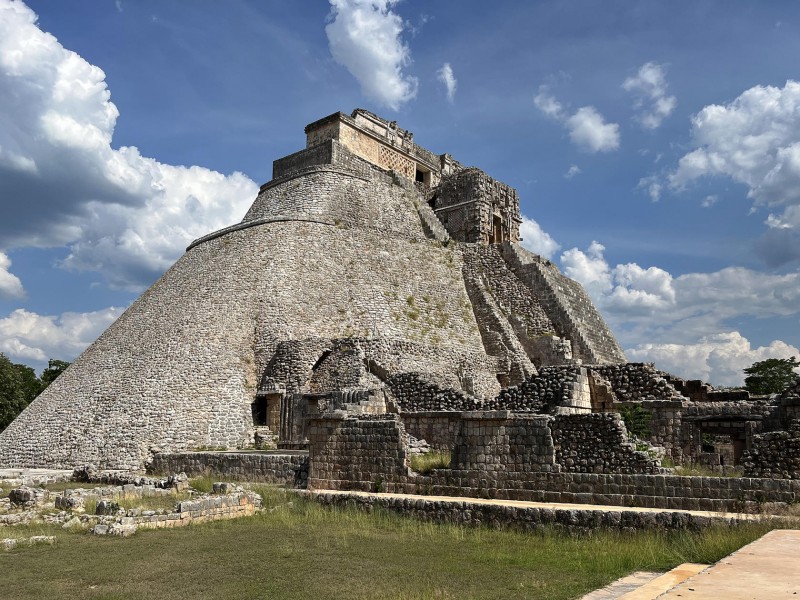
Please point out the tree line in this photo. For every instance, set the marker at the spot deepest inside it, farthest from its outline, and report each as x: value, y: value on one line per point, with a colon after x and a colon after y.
x: 19, y: 385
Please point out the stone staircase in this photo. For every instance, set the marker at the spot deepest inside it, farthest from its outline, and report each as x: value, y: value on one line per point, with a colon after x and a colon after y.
x: 431, y: 224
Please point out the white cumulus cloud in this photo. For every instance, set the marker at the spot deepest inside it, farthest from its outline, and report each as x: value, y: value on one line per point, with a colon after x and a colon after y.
x: 572, y: 171
x: 118, y: 212
x: 649, y: 89
x: 755, y: 141
x: 587, y: 127
x: 10, y: 285
x: 548, y: 104
x: 30, y: 337
x: 448, y: 79
x: 719, y: 358
x: 674, y: 320
x: 589, y: 130
x: 652, y: 185
x: 535, y: 239
x: 365, y: 37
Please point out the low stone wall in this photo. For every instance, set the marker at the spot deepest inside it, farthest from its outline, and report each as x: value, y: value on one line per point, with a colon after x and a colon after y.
x: 774, y: 454
x: 371, y: 455
x: 220, y: 506
x: 637, y: 381
x: 280, y: 468
x: 475, y: 513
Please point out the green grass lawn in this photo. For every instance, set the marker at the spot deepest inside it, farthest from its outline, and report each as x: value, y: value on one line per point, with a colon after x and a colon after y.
x: 305, y: 551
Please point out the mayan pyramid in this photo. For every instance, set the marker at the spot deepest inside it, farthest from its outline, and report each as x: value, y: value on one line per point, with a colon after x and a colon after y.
x: 366, y: 257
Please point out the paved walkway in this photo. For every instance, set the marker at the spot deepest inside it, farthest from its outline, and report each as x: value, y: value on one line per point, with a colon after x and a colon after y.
x: 546, y: 505
x: 767, y: 569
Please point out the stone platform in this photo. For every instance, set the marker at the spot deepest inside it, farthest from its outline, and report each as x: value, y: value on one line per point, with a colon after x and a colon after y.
x: 530, y: 515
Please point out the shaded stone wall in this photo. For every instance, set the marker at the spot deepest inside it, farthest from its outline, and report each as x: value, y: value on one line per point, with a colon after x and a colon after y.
x: 281, y: 469
x: 472, y: 205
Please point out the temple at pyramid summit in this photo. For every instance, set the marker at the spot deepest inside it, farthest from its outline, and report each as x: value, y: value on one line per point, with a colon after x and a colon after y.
x: 371, y: 278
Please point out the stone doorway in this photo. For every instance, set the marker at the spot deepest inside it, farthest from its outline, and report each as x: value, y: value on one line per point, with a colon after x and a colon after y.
x: 497, y: 230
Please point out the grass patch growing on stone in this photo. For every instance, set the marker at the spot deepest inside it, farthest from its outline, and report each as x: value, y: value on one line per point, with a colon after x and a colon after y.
x: 425, y: 463
x: 298, y: 549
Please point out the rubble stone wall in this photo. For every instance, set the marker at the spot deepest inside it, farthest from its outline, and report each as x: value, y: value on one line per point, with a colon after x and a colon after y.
x: 775, y: 454
x: 598, y: 443
x: 553, y: 387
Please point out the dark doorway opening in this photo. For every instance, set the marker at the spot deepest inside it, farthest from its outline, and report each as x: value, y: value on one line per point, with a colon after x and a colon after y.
x: 259, y: 408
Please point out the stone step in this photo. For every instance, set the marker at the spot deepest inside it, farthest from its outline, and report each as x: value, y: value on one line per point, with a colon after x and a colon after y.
x: 655, y: 587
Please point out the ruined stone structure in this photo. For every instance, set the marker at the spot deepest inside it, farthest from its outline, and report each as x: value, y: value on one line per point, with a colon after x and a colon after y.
x: 366, y: 257
x: 375, y: 279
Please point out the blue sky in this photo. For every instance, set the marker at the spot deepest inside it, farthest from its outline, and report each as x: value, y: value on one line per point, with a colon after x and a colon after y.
x: 655, y: 147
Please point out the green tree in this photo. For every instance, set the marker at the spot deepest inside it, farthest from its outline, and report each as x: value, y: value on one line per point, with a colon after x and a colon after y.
x: 18, y: 386
x: 771, y: 376
x: 53, y: 370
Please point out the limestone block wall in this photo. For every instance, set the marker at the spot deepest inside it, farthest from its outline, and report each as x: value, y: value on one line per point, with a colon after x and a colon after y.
x: 567, y: 305
x: 437, y: 428
x: 498, y: 441
x: 371, y: 455
x: 366, y: 450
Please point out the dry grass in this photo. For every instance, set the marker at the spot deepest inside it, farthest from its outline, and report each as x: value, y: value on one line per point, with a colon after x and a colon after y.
x: 425, y: 463
x: 298, y: 549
